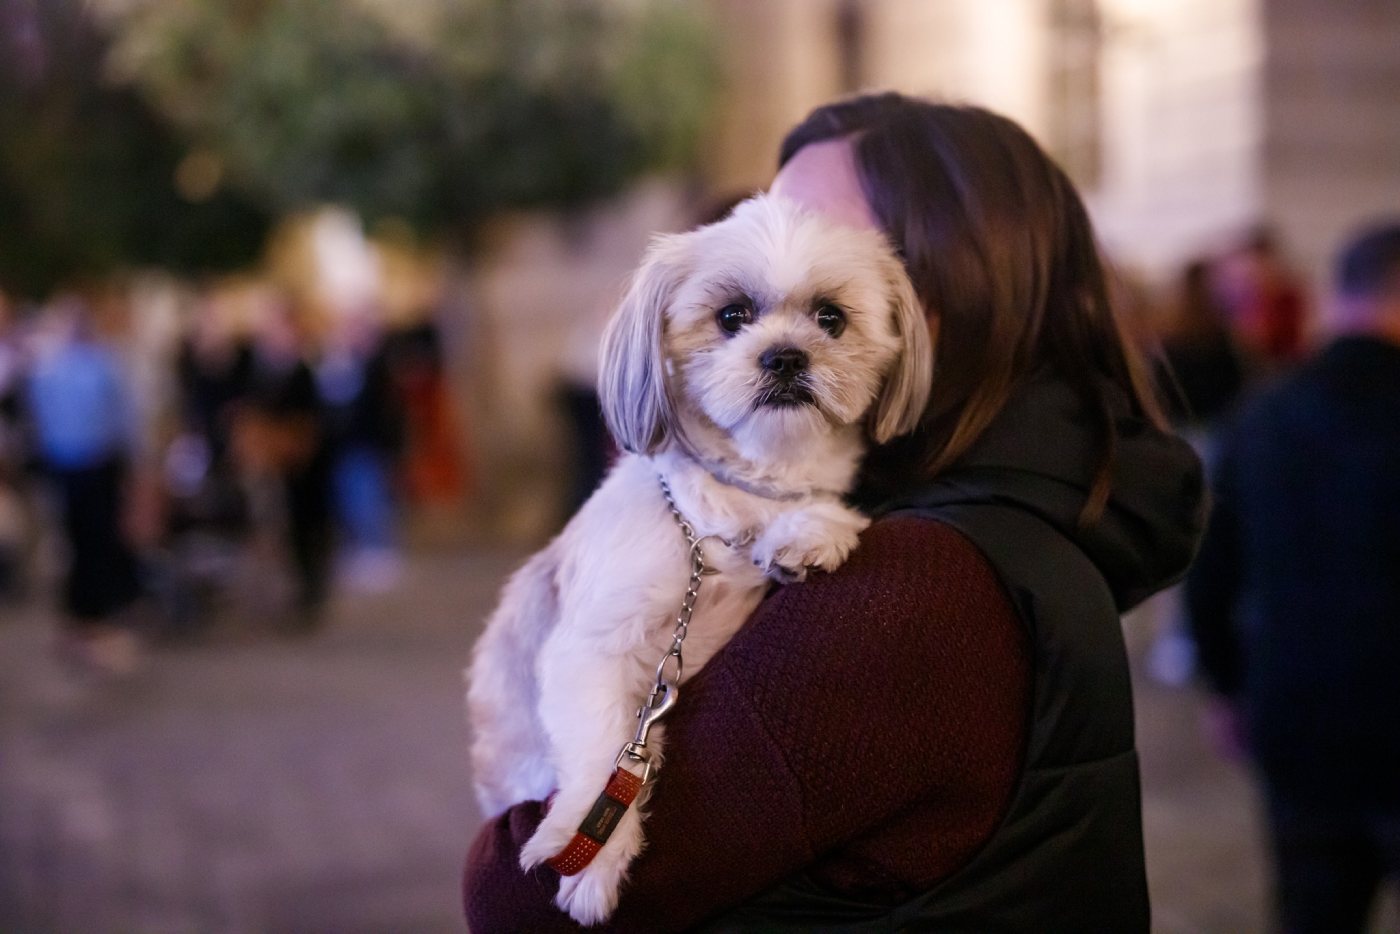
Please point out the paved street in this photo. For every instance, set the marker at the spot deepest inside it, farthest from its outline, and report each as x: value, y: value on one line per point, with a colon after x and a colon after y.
x: 254, y: 783
x: 257, y: 783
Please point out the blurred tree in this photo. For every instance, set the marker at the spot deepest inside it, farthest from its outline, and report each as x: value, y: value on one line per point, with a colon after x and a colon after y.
x: 207, y: 117
x: 434, y: 112
x: 88, y: 172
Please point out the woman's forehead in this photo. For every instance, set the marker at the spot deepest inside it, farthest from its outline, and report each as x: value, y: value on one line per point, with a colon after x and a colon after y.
x: 822, y: 177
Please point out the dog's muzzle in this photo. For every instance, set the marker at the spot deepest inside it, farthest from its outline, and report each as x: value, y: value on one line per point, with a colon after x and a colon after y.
x: 784, y: 383
x: 792, y: 395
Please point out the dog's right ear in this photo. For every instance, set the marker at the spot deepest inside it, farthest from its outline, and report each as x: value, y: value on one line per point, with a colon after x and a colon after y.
x: 900, y: 407
x: 632, y: 384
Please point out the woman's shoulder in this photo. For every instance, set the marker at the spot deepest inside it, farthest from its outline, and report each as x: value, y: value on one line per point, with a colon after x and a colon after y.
x: 913, y: 587
x: 922, y: 559
x: 910, y: 533
x: 911, y: 644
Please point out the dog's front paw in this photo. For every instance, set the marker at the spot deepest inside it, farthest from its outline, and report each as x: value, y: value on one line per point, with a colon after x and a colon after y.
x: 548, y: 841
x: 590, y: 896
x: 816, y: 537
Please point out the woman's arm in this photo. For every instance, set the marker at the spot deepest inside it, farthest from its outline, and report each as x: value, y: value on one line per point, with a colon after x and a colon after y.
x: 900, y: 683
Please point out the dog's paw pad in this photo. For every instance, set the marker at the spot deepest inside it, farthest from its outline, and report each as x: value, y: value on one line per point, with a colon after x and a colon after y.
x: 785, y: 574
x: 793, y: 564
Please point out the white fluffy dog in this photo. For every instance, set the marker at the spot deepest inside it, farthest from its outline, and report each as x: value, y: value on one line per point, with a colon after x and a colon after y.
x: 748, y: 365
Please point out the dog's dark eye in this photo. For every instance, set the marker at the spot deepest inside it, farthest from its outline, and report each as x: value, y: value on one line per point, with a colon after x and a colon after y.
x: 831, y: 319
x: 733, y: 317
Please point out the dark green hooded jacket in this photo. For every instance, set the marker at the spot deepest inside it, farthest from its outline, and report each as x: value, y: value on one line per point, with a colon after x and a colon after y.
x: 1069, y: 854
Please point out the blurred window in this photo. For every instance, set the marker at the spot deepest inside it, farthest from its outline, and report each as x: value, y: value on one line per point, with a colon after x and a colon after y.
x: 1075, y: 138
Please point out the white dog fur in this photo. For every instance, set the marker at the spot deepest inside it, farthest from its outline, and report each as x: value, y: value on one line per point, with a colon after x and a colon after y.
x: 571, y: 651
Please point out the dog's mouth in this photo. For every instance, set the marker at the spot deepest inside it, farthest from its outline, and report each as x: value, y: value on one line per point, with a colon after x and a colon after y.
x: 784, y: 396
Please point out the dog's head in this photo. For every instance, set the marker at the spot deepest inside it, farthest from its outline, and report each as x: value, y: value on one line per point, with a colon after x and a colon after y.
x: 773, y: 321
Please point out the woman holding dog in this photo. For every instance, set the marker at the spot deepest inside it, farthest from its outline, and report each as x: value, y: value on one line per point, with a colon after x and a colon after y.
x: 939, y: 735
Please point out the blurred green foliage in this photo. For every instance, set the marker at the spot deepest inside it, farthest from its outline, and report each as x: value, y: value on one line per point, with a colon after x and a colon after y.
x: 86, y: 167
x: 433, y: 113
x: 436, y: 112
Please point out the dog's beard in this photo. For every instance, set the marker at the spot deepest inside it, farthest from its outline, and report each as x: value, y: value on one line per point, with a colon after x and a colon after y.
x: 757, y: 401
x: 784, y: 395
x: 789, y: 411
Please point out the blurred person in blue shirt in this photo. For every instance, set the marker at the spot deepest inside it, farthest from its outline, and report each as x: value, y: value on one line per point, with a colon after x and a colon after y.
x: 365, y: 424
x: 1295, y: 602
x: 80, y: 410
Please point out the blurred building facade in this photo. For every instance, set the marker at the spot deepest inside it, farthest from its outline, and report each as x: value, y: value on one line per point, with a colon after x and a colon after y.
x: 1185, y: 124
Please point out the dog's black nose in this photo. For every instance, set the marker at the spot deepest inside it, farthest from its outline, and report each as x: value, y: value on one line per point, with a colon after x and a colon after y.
x: 783, y: 362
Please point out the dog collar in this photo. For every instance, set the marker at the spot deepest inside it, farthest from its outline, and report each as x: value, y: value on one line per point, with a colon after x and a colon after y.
x: 761, y: 490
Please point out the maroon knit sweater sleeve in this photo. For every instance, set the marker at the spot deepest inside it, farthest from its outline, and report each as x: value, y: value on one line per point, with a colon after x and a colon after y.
x: 865, y: 727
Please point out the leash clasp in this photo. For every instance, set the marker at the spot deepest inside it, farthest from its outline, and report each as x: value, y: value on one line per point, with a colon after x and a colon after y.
x: 659, y: 703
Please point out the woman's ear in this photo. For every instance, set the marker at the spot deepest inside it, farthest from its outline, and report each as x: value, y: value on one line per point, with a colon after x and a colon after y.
x: 632, y: 385
x: 905, y: 395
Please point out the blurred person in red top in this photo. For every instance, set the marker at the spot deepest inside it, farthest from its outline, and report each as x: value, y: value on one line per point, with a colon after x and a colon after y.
x: 1266, y: 299
x: 938, y: 735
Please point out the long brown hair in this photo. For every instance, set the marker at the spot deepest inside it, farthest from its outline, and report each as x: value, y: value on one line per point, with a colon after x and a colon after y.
x: 1000, y: 249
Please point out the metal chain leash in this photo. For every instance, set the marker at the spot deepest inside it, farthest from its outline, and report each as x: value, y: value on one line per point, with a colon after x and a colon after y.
x: 624, y: 785
x: 665, y: 692
x: 692, y: 591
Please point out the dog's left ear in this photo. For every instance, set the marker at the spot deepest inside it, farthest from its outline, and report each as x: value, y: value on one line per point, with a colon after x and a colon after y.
x: 632, y: 385
x: 905, y: 395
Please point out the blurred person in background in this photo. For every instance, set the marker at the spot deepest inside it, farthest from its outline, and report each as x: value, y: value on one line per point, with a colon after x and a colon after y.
x: 1202, y: 372
x: 207, y: 512
x: 282, y: 434
x: 591, y: 449
x: 1266, y: 301
x: 13, y: 454
x: 433, y: 468
x: 1295, y: 598
x: 214, y: 369
x: 366, y: 429
x: 939, y: 735
x: 81, y: 411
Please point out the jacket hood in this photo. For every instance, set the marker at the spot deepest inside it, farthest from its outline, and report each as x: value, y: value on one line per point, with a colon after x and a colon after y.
x: 1041, y: 453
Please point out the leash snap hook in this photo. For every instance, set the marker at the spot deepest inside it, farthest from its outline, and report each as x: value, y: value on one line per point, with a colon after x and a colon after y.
x: 663, y: 697
x: 654, y: 709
